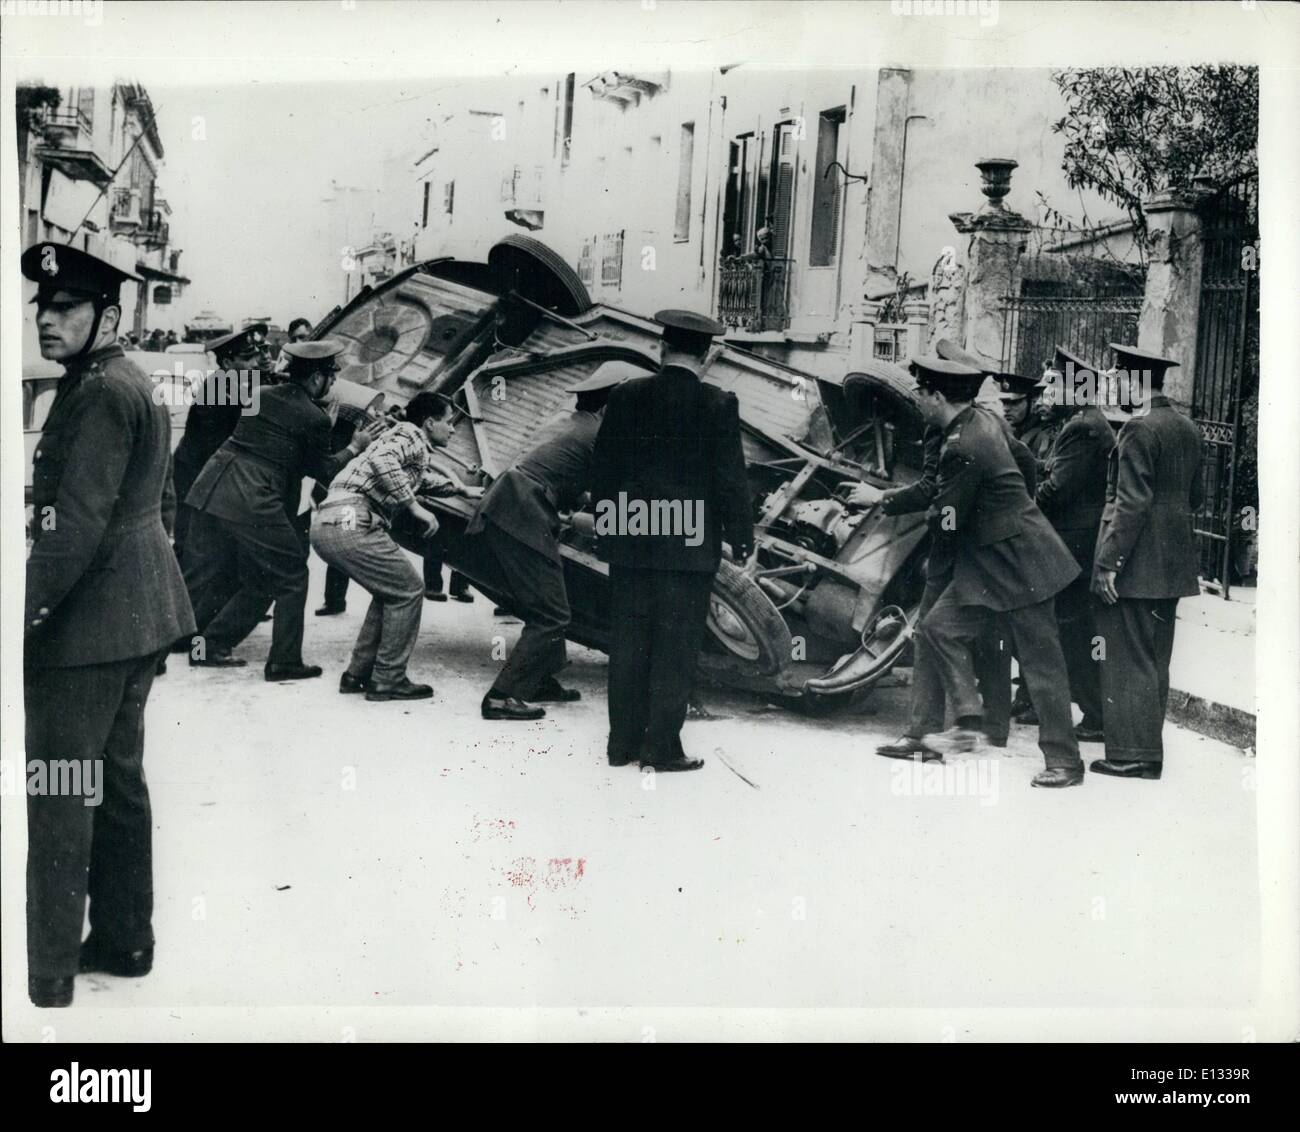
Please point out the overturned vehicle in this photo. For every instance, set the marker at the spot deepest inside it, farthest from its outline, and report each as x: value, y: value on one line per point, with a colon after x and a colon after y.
x: 828, y: 604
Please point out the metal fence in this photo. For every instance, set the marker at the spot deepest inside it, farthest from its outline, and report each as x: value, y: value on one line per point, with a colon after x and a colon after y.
x: 1227, y: 373
x: 1034, y: 325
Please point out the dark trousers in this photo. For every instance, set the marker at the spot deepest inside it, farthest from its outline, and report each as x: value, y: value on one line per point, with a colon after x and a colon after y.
x: 336, y: 587
x: 536, y: 581
x: 90, y: 715
x: 657, y: 620
x: 1078, y: 627
x: 1138, y: 634
x: 991, y: 657
x: 458, y: 586
x: 234, y: 571
x: 954, y: 630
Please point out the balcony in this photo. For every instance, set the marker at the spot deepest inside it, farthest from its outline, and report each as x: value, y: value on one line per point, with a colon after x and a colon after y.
x: 124, y: 216
x: 754, y: 294
x: 68, y: 126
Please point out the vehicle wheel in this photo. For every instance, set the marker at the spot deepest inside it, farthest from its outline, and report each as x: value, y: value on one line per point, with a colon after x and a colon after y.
x: 528, y: 266
x: 743, y: 622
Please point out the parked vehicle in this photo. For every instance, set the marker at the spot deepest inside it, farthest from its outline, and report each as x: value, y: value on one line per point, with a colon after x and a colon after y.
x: 830, y: 603
x: 206, y: 325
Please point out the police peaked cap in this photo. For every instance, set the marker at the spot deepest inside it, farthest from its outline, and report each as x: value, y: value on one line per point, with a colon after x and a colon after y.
x: 1135, y: 360
x: 61, y: 267
x: 229, y: 343
x: 688, y: 330
x: 317, y: 351
x: 606, y: 375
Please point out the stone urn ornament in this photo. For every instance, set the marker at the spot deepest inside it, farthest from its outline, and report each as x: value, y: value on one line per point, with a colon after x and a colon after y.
x: 996, y: 172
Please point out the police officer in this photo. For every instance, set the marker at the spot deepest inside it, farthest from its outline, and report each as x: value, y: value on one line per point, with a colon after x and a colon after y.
x: 667, y: 438
x: 1039, y: 421
x: 104, y: 600
x: 1072, y: 495
x: 224, y: 396
x: 1006, y: 560
x: 246, y: 500
x: 1145, y: 561
x: 519, y: 519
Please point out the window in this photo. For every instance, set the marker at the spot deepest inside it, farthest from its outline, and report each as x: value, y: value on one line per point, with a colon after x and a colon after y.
x: 685, y: 163
x: 567, y: 135
x: 424, y: 217
x: 86, y: 105
x: 828, y: 191
x: 448, y: 196
x: 738, y: 206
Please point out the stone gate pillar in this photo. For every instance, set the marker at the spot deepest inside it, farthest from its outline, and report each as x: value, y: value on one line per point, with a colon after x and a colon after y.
x: 996, y: 238
x: 1171, y: 303
x: 863, y: 319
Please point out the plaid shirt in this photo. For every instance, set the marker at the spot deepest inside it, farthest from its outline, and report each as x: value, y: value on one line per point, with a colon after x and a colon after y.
x: 392, y: 470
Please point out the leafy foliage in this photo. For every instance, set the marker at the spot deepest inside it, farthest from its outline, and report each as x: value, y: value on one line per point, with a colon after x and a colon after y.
x: 1130, y: 132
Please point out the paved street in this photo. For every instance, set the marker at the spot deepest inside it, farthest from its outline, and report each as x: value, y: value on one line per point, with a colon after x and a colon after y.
x: 315, y: 849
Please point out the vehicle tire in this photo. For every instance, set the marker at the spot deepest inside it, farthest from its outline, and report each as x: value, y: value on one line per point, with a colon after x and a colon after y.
x: 743, y: 622
x: 528, y: 266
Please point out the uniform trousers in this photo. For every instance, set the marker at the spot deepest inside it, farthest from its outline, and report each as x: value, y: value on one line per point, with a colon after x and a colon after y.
x: 235, y: 571
x: 91, y: 715
x: 536, y: 582
x: 1077, y: 624
x: 953, y: 630
x: 657, y: 621
x: 351, y: 538
x: 1138, y: 634
x: 991, y: 657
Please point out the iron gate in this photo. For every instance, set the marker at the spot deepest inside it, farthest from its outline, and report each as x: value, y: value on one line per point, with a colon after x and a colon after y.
x: 1034, y: 325
x: 1227, y: 370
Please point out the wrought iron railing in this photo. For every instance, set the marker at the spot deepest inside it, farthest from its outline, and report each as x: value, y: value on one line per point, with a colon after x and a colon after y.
x: 753, y: 293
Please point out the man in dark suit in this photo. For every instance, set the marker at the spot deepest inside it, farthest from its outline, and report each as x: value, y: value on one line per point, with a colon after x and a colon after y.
x: 246, y: 500
x: 668, y: 454
x: 1072, y: 495
x: 104, y: 600
x: 1145, y: 561
x: 519, y: 519
x: 1006, y: 560
x: 225, y: 395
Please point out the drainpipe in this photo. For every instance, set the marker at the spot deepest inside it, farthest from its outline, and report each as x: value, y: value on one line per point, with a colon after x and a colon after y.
x: 902, y: 185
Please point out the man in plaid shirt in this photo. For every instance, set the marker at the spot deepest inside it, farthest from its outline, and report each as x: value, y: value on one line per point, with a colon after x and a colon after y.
x: 351, y: 532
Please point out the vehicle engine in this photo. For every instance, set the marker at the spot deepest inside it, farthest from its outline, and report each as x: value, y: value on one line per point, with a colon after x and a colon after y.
x: 822, y: 526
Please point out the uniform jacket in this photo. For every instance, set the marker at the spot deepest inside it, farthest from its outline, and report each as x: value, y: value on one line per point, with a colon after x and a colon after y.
x: 526, y: 499
x: 1038, y: 436
x: 102, y: 581
x: 256, y: 476
x: 1153, y: 487
x: 671, y: 437
x: 1006, y: 554
x: 1073, y: 492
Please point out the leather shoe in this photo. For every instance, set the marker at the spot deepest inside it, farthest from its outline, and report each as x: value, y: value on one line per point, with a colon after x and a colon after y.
x: 404, y: 690
x: 1119, y: 768
x: 1089, y: 734
x: 350, y: 685
x: 293, y: 672
x: 671, y: 765
x: 126, y: 964
x: 1029, y: 717
x: 552, y: 691
x: 1058, y: 776
x: 955, y: 741
x: 217, y: 658
x: 907, y: 748
x: 508, y: 707
x: 616, y: 759
x: 463, y: 597
x: 328, y: 610
x: 50, y: 992
x: 434, y: 595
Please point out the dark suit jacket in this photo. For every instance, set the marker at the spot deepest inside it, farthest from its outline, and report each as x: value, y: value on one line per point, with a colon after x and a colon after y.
x: 1006, y: 554
x: 208, y: 425
x: 670, y: 437
x: 526, y: 499
x: 102, y: 581
x: 1073, y: 492
x: 256, y: 476
x: 1153, y: 487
